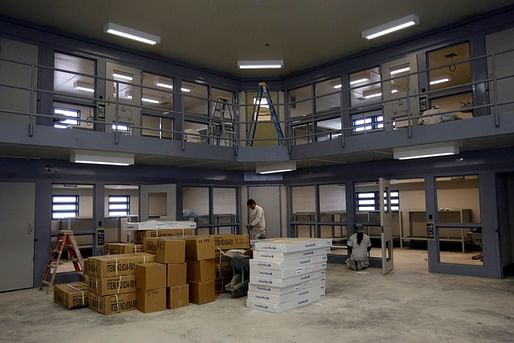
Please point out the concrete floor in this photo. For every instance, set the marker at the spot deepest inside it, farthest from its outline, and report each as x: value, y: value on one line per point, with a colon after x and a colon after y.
x: 408, y: 305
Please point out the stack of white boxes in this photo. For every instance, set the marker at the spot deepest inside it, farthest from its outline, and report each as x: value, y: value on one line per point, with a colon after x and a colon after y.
x: 287, y: 273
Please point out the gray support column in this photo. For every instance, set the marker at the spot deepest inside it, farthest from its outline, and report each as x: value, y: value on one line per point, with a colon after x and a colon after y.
x: 43, y: 227
x: 45, y: 79
x: 317, y: 216
x: 178, y: 108
x: 98, y: 212
x: 490, y: 230
x: 180, y: 202
x: 346, y: 121
x: 289, y: 197
x: 479, y: 72
x: 100, y: 90
x: 211, y: 212
x: 239, y: 228
x: 431, y: 216
x: 350, y: 206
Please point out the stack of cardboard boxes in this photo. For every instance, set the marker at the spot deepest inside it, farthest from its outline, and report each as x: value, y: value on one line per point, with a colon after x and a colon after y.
x: 112, y: 281
x: 287, y: 273
x: 141, y: 235
x: 151, y: 287
x: 201, y: 269
x: 122, y: 248
x: 223, y: 244
x: 71, y: 295
x: 171, y: 252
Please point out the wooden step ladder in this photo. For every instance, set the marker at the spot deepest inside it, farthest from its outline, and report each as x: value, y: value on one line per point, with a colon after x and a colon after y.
x: 65, y: 238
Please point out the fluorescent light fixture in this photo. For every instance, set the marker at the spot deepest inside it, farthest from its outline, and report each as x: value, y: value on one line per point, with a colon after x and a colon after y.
x: 122, y: 76
x: 101, y: 157
x: 372, y: 95
x: 399, y: 70
x: 337, y: 86
x: 83, y: 86
x: 120, y: 127
x: 390, y: 27
x: 127, y: 32
x: 185, y: 90
x: 164, y: 85
x: 151, y: 101
x: 425, y: 151
x: 438, y: 81
x: 255, y: 64
x: 394, y: 91
x: 67, y: 113
x: 277, y: 167
x: 354, y: 82
x: 264, y: 102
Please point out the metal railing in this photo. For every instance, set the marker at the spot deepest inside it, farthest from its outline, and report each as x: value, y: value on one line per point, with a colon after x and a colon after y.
x: 235, y: 135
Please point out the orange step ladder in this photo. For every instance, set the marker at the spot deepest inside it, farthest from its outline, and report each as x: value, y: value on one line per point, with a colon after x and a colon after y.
x: 65, y: 238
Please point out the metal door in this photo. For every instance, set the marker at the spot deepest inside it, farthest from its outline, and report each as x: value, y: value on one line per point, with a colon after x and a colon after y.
x: 269, y: 198
x: 399, y: 85
x: 386, y: 220
x: 17, y: 206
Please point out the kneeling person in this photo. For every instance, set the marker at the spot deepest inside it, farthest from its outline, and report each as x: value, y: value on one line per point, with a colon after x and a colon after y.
x: 359, y: 246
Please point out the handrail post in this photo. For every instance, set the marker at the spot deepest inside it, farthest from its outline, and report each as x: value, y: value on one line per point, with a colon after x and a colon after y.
x: 33, y: 99
x: 116, y: 125
x: 495, y: 91
x: 409, y: 112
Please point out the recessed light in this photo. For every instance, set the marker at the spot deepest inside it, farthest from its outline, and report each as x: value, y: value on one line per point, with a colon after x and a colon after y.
x: 354, y: 82
x: 151, y: 101
x: 127, y: 32
x: 83, y: 86
x: 126, y: 77
x: 399, y: 70
x: 390, y: 27
x: 394, y: 91
x: 264, y: 64
x: 185, y: 90
x: 164, y: 85
x: 373, y: 95
x: 338, y: 86
x: 438, y: 81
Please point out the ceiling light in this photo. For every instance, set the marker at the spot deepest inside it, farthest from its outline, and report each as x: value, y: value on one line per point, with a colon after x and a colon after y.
x: 394, y: 91
x: 373, y: 95
x: 117, y: 75
x: 400, y: 70
x: 278, y: 167
x: 127, y: 32
x: 67, y: 113
x: 337, y: 86
x: 392, y: 26
x: 270, y: 64
x: 151, y: 101
x: 354, y: 82
x: 185, y: 90
x: 438, y: 81
x: 99, y: 157
x: 83, y: 86
x: 164, y: 85
x: 425, y: 151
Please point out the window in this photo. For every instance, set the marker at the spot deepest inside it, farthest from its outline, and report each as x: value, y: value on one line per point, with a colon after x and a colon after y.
x: 300, y: 102
x: 366, y: 88
x: 66, y: 117
x: 155, y: 126
x: 157, y: 93
x: 446, y: 66
x: 71, y: 115
x: 369, y: 121
x: 65, y: 206
x: 119, y: 205
x: 69, y: 81
x: 369, y: 201
x: 328, y: 96
x: 194, y: 98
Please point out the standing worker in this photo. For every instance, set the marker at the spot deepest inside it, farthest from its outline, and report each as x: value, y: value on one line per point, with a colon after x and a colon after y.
x: 257, y: 226
x: 359, y: 246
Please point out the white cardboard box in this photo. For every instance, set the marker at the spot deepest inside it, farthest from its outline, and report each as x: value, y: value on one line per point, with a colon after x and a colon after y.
x: 280, y: 256
x: 277, y: 308
x: 286, y: 273
x: 267, y: 281
x: 287, y: 264
x: 285, y: 290
x: 290, y: 245
x: 318, y: 291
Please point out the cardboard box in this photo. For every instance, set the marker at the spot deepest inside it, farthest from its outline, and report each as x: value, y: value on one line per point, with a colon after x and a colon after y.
x: 201, y: 271
x: 150, y: 245
x: 112, y: 303
x: 112, y: 285
x: 151, y: 300
x: 280, y: 256
x: 200, y: 248
x: 286, y: 273
x: 278, y: 308
x: 116, y: 265
x: 151, y: 276
x: 170, y: 250
x: 290, y: 245
x: 227, y: 242
x: 121, y: 248
x: 313, y: 292
x: 178, y: 296
x: 316, y: 283
x: 296, y: 280
x: 176, y: 274
x: 287, y: 264
x: 202, y: 292
x: 71, y: 295
x: 140, y: 235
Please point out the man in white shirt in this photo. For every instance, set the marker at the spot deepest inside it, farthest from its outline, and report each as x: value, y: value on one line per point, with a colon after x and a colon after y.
x: 257, y: 225
x: 359, y: 245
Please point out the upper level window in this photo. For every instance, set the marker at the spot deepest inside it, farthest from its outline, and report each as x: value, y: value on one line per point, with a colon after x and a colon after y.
x: 368, y: 121
x: 328, y: 100
x: 446, y: 69
x: 71, y: 115
x: 300, y: 102
x: 157, y: 93
x: 366, y: 88
x: 119, y: 205
x: 73, y: 75
x: 194, y: 98
x: 65, y: 206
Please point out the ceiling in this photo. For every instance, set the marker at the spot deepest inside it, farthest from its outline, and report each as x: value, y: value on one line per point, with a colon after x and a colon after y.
x: 216, y: 33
